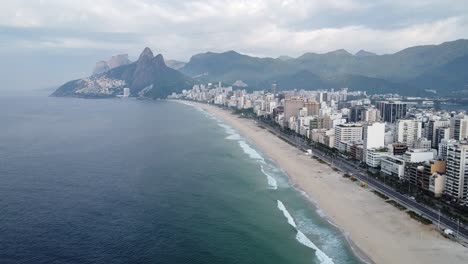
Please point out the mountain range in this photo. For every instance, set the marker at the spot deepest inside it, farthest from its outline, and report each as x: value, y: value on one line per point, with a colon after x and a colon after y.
x: 411, y: 71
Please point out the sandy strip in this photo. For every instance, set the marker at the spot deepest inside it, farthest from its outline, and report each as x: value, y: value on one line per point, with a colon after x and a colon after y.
x: 378, y: 229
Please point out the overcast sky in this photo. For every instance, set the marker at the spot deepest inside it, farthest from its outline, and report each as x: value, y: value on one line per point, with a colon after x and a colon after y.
x: 45, y: 42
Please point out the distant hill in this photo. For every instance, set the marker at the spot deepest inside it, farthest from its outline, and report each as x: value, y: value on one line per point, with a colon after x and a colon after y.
x: 113, y: 62
x: 285, y: 58
x: 363, y: 53
x: 174, y: 64
x: 148, y: 76
x: 402, y: 72
x: 231, y: 66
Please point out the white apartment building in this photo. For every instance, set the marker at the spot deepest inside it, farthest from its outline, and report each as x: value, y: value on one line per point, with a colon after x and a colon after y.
x: 408, y: 131
x: 374, y: 157
x: 437, y: 184
x: 456, y: 183
x: 374, y: 135
x: 418, y: 155
x: 443, y: 147
x: 347, y: 132
x: 393, y: 166
x: 459, y: 128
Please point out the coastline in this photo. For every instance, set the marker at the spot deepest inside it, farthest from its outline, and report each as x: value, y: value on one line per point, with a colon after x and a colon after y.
x: 376, y: 231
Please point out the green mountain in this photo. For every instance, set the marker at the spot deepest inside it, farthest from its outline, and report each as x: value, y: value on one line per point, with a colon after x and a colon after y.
x: 231, y: 66
x: 402, y: 72
x: 451, y: 78
x: 147, y: 77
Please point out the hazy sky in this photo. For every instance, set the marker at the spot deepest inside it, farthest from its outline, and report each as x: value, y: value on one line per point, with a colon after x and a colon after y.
x: 46, y: 42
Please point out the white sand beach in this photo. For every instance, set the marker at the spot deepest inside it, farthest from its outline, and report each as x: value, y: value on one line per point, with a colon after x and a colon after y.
x: 384, y: 233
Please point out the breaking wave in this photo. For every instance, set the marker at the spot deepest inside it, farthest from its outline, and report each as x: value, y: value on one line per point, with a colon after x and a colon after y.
x: 302, y: 238
x: 271, y: 180
x: 252, y: 153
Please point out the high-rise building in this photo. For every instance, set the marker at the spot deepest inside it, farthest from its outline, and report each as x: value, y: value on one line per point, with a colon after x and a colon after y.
x: 313, y: 107
x: 392, y: 111
x: 443, y: 147
x: 356, y: 113
x: 347, y: 132
x: 322, y: 97
x: 371, y: 115
x: 440, y: 134
x: 374, y: 135
x: 407, y: 131
x: 456, y: 183
x: 363, y: 113
x: 292, y: 107
x: 459, y: 128
x: 432, y: 130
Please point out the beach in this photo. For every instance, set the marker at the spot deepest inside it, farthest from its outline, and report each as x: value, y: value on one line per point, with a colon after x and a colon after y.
x: 376, y: 230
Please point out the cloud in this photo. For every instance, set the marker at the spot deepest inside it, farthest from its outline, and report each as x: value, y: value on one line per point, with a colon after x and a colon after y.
x: 260, y: 27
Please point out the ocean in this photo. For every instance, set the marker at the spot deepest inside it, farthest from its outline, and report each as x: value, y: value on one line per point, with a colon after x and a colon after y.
x: 128, y: 181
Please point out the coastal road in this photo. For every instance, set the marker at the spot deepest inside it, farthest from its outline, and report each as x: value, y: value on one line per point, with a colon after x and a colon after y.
x: 350, y: 168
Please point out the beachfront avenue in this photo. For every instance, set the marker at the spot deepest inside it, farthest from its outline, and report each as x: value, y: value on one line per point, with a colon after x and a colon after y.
x: 349, y: 167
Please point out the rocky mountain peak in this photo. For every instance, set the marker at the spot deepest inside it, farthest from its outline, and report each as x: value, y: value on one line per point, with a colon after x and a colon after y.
x: 146, y: 54
x: 159, y: 60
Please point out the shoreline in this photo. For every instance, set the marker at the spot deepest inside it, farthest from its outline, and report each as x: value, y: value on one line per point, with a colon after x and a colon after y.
x: 376, y: 231
x: 358, y: 252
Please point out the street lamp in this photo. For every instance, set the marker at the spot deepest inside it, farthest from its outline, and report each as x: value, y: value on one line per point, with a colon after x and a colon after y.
x: 438, y: 223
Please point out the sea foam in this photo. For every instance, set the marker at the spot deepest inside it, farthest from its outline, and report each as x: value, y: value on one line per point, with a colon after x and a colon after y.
x: 302, y: 238
x: 286, y: 214
x: 271, y: 180
x: 233, y: 135
x: 252, y: 153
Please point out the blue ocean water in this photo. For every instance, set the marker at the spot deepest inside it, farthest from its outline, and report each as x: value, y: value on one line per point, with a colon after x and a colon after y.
x: 127, y: 181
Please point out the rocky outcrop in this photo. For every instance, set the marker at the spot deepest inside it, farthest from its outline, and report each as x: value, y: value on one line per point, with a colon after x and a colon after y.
x: 113, y: 62
x: 148, y: 76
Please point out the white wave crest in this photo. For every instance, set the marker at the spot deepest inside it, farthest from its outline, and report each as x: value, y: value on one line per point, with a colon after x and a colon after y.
x: 324, y: 259
x: 233, y: 135
x: 286, y: 214
x: 302, y: 238
x: 271, y: 180
x: 321, y: 213
x: 253, y: 154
